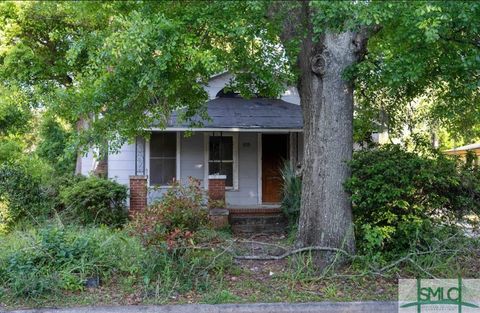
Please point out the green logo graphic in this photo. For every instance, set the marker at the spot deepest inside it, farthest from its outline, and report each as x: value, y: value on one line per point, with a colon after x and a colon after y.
x: 439, y: 296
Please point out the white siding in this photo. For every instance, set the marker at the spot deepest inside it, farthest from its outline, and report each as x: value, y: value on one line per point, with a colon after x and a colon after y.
x: 122, y: 164
x: 219, y: 82
x: 192, y: 157
x: 87, y: 163
x: 216, y: 84
x: 291, y: 95
x: 247, y: 193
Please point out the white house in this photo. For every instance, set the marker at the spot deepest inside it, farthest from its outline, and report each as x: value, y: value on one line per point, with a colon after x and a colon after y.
x: 247, y: 141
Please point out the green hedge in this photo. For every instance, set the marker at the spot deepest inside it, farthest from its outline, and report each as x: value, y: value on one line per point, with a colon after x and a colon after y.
x: 22, y: 193
x: 399, y: 197
x: 96, y: 201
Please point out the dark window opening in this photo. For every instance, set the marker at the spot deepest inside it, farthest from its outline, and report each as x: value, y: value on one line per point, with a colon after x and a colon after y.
x: 163, y: 158
x: 220, y: 160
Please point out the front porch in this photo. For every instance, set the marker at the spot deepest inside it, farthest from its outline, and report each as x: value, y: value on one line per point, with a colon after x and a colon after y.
x: 250, y: 161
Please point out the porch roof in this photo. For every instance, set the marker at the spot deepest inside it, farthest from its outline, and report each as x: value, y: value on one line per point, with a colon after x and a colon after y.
x: 235, y: 113
x: 463, y: 149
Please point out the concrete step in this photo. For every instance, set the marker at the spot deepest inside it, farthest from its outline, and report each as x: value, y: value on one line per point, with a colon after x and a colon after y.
x: 258, y: 223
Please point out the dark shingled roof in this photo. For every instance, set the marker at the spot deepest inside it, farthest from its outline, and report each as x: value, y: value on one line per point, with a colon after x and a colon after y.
x: 236, y: 112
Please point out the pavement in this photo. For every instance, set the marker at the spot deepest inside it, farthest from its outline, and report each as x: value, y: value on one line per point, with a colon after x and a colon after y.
x: 319, y: 307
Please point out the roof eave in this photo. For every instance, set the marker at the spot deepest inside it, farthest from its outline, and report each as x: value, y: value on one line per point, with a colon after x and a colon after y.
x: 230, y: 129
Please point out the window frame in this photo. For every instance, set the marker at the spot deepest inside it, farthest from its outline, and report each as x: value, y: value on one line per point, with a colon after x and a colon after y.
x: 206, y: 147
x: 177, y: 160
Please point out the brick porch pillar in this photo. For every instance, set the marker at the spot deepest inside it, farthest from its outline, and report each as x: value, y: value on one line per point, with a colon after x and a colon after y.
x: 216, y: 191
x: 216, y: 187
x: 138, y: 194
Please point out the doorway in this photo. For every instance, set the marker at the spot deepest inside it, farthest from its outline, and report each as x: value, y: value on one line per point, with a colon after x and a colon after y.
x: 274, y: 154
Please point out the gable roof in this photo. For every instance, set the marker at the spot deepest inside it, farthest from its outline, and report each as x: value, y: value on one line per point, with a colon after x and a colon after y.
x: 255, y: 113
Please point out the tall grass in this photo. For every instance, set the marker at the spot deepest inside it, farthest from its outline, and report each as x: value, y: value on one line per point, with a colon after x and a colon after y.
x: 39, y: 262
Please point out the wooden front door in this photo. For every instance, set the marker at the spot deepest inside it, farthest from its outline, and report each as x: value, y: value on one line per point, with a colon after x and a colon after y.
x: 274, y: 154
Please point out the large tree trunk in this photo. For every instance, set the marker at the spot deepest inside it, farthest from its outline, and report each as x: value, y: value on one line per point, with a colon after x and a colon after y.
x: 327, y: 103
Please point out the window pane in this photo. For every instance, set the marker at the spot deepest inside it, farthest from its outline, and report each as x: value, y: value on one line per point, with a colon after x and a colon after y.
x: 162, y: 171
x: 163, y: 145
x: 222, y: 169
x: 221, y: 148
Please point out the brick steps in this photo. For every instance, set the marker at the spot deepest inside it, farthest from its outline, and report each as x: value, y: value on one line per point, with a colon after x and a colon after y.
x: 269, y: 223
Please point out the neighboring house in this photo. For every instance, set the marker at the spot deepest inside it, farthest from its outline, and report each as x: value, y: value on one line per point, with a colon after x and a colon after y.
x: 463, y: 150
x: 247, y: 141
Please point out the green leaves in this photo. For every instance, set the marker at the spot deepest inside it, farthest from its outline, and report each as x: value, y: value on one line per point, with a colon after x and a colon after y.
x: 397, y: 194
x: 427, y: 51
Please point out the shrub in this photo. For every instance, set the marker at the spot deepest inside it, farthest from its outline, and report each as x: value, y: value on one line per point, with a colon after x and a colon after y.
x: 173, y: 219
x: 21, y: 192
x: 399, y: 197
x: 170, y: 229
x: 96, y: 201
x: 292, y: 193
x: 52, y: 259
x: 55, y: 186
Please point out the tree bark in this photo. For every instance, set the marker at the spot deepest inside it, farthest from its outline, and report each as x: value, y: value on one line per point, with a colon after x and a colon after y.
x: 327, y: 103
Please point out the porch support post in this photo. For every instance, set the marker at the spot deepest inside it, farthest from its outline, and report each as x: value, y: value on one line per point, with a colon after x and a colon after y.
x: 216, y: 191
x: 138, y: 194
x: 140, y: 156
x: 138, y: 182
x: 216, y: 187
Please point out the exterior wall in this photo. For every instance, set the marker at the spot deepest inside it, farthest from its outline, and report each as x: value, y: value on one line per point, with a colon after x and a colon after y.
x: 122, y: 164
x: 88, y: 163
x: 291, y: 95
x: 192, y: 157
x: 192, y: 164
x: 247, y: 193
x: 218, y: 82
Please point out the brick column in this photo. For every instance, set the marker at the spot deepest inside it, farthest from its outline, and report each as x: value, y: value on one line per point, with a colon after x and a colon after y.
x: 138, y: 194
x: 216, y: 187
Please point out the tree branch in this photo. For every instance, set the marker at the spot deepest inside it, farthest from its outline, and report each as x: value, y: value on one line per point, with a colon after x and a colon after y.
x: 289, y: 253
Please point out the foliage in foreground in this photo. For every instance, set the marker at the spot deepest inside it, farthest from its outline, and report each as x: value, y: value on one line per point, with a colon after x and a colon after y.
x: 401, y: 199
x: 96, y: 200
x: 292, y: 192
x: 172, y: 229
x: 40, y: 262
x: 22, y: 193
x: 173, y: 219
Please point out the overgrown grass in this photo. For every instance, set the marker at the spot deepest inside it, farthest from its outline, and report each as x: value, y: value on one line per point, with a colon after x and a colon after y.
x: 40, y: 262
x: 37, y: 264
x: 48, y: 266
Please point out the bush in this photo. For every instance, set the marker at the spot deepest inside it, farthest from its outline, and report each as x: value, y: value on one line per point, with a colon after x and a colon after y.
x: 170, y: 229
x: 52, y: 259
x: 400, y: 197
x: 292, y: 194
x: 54, y: 188
x: 22, y: 193
x: 96, y: 201
x: 173, y: 220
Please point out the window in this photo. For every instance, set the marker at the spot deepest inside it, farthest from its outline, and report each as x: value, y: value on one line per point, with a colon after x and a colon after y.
x: 163, y: 151
x: 220, y: 157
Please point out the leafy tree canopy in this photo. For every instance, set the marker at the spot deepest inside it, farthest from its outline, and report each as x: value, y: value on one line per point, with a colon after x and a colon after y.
x: 129, y: 64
